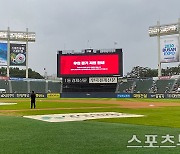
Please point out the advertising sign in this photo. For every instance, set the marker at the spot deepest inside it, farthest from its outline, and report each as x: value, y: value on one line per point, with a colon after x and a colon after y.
x: 17, y: 36
x: 4, y: 78
x: 173, y: 95
x: 53, y: 95
x: 75, y: 80
x: 3, y: 54
x: 169, y: 47
x: 17, y: 54
x: 21, y: 95
x: 124, y: 95
x: 140, y: 95
x: 103, y: 80
x: 163, y: 30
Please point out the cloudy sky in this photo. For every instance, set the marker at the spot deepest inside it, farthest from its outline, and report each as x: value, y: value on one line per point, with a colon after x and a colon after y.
x: 69, y: 24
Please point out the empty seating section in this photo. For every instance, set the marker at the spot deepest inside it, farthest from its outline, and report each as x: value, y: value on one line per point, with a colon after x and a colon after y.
x: 19, y: 86
x: 143, y: 86
x: 176, y: 86
x: 54, y: 87
x: 4, y: 84
x: 38, y: 86
x: 164, y: 86
x: 148, y: 86
x: 124, y: 87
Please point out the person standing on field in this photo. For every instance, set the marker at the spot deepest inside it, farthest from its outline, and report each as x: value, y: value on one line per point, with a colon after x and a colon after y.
x: 33, y: 100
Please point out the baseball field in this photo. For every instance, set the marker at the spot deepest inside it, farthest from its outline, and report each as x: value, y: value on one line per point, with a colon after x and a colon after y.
x: 158, y: 131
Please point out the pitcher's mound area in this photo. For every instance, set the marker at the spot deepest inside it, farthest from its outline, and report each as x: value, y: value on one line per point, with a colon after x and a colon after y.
x: 81, y: 116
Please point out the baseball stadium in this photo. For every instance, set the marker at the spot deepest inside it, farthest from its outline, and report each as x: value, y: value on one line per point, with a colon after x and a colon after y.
x: 90, y: 109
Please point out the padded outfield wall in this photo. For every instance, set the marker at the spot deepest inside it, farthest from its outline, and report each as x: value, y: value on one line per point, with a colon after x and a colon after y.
x: 92, y: 95
x: 119, y: 95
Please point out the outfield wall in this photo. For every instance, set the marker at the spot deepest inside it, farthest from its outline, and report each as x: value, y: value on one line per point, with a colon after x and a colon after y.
x: 92, y: 95
x: 119, y: 95
x: 148, y: 95
x: 88, y: 95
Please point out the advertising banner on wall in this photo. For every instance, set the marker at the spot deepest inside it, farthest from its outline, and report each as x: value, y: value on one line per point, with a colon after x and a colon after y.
x: 3, y: 54
x: 22, y: 95
x: 103, y: 80
x: 53, y: 95
x: 17, y: 54
x: 169, y: 47
x: 75, y: 80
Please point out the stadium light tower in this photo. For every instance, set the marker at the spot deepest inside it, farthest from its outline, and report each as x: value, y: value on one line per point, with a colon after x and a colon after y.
x: 164, y: 30
x: 17, y: 36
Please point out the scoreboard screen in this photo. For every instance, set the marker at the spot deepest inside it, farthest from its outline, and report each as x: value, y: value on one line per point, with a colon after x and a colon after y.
x: 89, y: 64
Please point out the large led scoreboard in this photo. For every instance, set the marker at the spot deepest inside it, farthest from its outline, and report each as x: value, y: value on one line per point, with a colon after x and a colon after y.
x: 90, y: 63
x: 90, y: 70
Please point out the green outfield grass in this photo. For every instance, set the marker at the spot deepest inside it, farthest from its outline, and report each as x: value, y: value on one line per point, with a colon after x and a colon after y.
x: 42, y: 104
x: 21, y: 135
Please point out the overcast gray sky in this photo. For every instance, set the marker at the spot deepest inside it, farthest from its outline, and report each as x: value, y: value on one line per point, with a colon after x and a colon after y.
x: 69, y: 24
